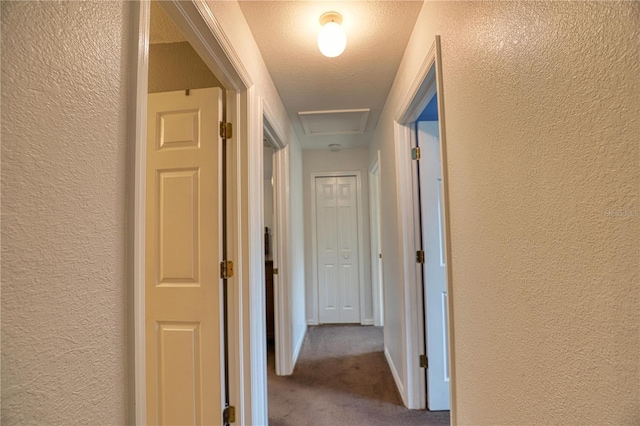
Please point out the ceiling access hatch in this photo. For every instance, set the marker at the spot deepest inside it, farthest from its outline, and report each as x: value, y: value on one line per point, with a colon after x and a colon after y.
x: 334, y: 122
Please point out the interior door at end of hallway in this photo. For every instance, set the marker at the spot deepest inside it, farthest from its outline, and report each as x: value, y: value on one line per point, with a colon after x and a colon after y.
x: 183, y: 325
x: 337, y: 249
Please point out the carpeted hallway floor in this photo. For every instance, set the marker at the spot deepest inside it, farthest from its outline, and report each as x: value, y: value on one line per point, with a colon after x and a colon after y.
x: 341, y: 378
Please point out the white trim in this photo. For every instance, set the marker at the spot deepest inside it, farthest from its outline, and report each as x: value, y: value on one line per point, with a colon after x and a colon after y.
x: 205, y: 34
x: 254, y: 297
x: 374, y: 225
x: 416, y: 321
x: 420, y: 91
x: 284, y: 356
x: 314, y: 239
x: 237, y: 358
x: 272, y: 130
x: 282, y: 229
x: 396, y: 376
x: 297, y: 348
x: 304, y: 120
x: 141, y: 23
x: 425, y: 84
x: 447, y: 229
x: 407, y: 229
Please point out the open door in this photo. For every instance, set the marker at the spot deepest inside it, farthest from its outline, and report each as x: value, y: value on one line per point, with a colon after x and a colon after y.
x: 183, y: 290
x: 434, y: 272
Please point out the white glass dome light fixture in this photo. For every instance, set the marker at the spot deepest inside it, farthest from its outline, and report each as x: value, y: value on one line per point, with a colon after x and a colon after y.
x: 331, y: 39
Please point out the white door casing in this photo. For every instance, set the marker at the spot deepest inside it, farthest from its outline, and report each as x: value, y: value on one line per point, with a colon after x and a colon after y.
x: 426, y: 82
x: 337, y: 249
x: 183, y: 245
x: 434, y: 272
x: 376, y: 244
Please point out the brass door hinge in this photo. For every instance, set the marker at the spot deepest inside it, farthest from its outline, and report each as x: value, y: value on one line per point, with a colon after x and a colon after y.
x: 424, y: 361
x: 229, y: 415
x: 415, y: 153
x: 226, y: 130
x: 420, y: 256
x: 275, y: 271
x: 226, y: 269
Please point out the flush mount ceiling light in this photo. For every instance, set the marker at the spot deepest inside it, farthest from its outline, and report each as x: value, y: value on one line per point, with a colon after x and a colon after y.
x: 331, y: 39
x: 334, y: 147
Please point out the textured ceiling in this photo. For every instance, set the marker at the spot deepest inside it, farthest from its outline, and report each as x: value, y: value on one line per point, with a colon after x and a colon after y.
x: 377, y: 35
x: 162, y: 29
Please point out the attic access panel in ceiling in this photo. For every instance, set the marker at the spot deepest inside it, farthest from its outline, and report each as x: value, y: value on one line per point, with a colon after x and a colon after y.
x: 334, y: 122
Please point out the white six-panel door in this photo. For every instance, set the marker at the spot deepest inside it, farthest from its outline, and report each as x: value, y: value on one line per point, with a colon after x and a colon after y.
x: 183, y: 286
x: 434, y: 267
x: 337, y: 249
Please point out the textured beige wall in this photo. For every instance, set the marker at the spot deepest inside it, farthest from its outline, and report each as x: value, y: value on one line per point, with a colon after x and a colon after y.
x: 177, y: 66
x: 542, y: 104
x: 314, y: 161
x: 64, y: 110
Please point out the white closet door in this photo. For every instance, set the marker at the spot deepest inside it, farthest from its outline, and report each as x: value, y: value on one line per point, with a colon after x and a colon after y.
x: 337, y: 248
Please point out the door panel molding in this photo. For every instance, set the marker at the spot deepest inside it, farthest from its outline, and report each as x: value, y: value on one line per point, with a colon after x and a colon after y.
x: 314, y: 239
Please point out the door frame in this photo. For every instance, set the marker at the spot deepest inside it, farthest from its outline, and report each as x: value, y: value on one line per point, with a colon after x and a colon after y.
x: 281, y: 225
x: 314, y: 241
x: 426, y: 82
x: 247, y: 351
x: 377, y: 276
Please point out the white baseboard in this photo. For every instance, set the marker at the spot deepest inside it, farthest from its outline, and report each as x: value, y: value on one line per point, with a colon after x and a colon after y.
x: 297, y: 347
x: 396, y: 377
x: 368, y: 321
x: 312, y: 322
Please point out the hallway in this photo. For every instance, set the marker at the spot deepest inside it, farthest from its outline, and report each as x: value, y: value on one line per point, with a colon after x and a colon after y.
x: 341, y: 378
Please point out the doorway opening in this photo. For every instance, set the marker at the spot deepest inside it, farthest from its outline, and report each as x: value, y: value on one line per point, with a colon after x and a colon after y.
x: 187, y: 350
x: 430, y: 223
x: 423, y: 192
x: 246, y: 372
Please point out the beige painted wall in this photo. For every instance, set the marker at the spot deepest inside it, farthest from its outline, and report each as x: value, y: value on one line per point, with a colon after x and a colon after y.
x: 325, y: 161
x: 64, y: 147
x: 542, y: 113
x: 177, y: 66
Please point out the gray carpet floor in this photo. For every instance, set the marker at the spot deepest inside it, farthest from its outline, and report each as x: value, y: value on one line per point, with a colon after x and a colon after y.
x: 341, y: 378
